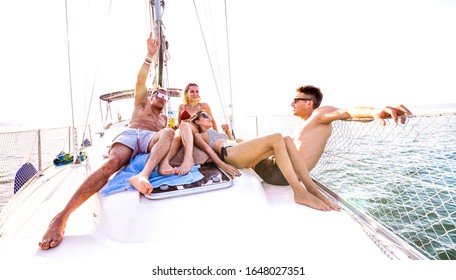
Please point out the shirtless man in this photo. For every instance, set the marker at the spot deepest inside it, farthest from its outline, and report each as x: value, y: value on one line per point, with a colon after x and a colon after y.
x: 313, y: 132
x: 146, y: 133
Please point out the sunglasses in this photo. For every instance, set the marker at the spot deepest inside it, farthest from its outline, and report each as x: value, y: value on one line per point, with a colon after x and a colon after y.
x: 161, y: 95
x: 295, y: 100
x: 204, y: 115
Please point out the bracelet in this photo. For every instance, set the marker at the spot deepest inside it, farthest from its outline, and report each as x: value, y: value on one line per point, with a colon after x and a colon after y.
x: 148, y: 60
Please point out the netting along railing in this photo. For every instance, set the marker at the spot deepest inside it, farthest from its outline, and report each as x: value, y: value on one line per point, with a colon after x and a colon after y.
x: 39, y: 147
x: 401, y: 175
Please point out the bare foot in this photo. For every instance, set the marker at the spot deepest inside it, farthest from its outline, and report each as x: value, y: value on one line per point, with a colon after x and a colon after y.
x: 322, y: 197
x: 141, y: 184
x: 308, y: 199
x: 166, y: 169
x: 186, y: 166
x: 54, y: 234
x: 334, y: 206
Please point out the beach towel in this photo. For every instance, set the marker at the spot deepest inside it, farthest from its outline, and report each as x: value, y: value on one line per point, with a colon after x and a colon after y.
x: 120, y: 181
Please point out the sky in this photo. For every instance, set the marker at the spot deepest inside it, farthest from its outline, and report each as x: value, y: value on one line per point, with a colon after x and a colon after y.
x: 360, y: 53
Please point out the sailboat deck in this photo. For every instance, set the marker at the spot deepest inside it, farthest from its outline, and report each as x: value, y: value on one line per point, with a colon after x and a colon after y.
x: 250, y: 220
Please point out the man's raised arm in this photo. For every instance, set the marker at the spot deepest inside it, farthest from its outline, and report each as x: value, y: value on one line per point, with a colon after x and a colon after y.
x: 141, y: 88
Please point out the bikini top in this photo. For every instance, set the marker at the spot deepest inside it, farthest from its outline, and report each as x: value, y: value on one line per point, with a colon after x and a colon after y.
x: 214, y: 135
x: 185, y: 115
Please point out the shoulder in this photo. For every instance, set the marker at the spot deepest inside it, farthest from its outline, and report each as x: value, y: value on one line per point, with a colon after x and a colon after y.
x: 325, y: 114
x: 205, y: 106
x: 203, y: 135
x: 325, y: 110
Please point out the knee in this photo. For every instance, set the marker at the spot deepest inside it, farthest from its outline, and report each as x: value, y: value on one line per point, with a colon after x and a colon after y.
x: 168, y: 133
x: 113, y: 164
x: 277, y: 137
x: 187, y: 128
x: 184, y: 125
x: 177, y: 135
x: 287, y: 139
x: 274, y: 139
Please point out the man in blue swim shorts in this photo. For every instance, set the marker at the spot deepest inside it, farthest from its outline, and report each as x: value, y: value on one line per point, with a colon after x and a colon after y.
x: 146, y: 133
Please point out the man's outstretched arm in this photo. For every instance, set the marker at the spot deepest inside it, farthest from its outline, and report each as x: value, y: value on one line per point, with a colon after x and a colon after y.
x: 330, y: 114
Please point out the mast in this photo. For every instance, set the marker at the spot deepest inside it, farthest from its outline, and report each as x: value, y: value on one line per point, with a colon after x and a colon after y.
x: 157, y: 8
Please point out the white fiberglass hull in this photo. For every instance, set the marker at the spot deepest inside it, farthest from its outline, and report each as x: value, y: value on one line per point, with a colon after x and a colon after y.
x: 250, y: 223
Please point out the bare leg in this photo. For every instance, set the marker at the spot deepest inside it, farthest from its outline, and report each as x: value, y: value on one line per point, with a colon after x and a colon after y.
x: 248, y: 153
x: 183, y: 137
x: 158, y: 148
x: 118, y: 157
x: 165, y: 168
x: 187, y: 140
x: 303, y: 174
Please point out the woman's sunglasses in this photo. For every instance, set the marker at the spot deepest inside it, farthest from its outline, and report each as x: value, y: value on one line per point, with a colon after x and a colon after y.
x: 204, y: 115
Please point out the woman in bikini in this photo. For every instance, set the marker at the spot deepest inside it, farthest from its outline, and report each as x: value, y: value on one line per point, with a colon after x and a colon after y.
x: 192, y: 104
x: 231, y: 155
x: 184, y: 133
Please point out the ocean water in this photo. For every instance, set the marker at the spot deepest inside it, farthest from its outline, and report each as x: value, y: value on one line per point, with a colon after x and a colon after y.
x: 402, y: 175
x: 384, y: 172
x: 19, y: 145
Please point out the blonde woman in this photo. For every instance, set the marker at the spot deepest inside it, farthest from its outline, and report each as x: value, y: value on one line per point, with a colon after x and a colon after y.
x: 192, y: 103
x: 231, y: 155
x: 184, y: 133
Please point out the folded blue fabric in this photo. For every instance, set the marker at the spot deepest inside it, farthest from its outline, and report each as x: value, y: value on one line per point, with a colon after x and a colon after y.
x: 120, y: 181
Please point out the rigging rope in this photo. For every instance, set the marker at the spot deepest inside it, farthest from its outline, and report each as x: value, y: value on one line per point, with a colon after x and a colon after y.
x: 149, y: 16
x: 211, y: 62
x: 86, y: 123
x: 165, y: 58
x: 229, y: 68
x: 75, y: 144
